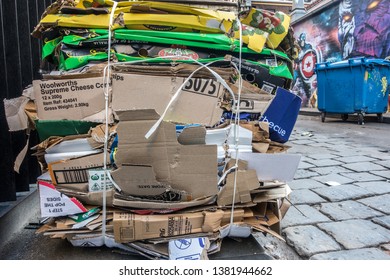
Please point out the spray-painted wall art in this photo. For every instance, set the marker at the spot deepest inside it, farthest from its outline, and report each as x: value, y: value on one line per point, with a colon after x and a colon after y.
x: 348, y: 28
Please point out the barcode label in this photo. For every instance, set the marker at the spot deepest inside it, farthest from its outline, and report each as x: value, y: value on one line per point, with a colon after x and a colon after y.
x: 271, y: 62
x: 71, y: 176
x: 267, y: 88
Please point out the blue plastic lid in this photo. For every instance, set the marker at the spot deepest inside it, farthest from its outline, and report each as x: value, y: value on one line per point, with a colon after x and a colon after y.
x: 356, y: 61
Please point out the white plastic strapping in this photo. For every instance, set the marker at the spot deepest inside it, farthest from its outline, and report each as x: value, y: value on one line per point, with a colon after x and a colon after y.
x: 236, y: 109
x: 106, y: 81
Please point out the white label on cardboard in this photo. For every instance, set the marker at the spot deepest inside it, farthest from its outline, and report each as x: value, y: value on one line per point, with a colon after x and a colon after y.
x: 55, y: 204
x: 74, y: 99
x: 187, y: 249
x: 96, y: 181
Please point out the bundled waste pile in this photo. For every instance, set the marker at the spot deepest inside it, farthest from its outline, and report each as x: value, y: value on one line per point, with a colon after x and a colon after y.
x: 148, y: 133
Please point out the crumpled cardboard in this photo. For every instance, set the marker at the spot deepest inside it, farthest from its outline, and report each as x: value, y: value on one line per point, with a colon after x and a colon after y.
x: 246, y: 181
x: 14, y: 112
x: 132, y: 202
x: 191, y: 168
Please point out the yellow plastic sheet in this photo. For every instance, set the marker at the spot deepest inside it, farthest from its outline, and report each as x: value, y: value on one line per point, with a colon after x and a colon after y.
x: 161, y: 6
x: 77, y: 21
x: 128, y: 20
x: 201, y: 23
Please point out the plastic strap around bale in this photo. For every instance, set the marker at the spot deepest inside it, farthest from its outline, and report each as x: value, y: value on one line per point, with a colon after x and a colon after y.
x: 106, y: 79
x: 177, y: 93
x: 236, y: 129
x: 107, y: 73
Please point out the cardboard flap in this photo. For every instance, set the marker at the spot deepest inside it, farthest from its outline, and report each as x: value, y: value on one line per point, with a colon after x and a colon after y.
x: 140, y: 181
x: 212, y: 220
x: 191, y: 168
x: 192, y: 135
x: 136, y: 115
x: 14, y: 112
x: 274, y: 193
x: 246, y: 181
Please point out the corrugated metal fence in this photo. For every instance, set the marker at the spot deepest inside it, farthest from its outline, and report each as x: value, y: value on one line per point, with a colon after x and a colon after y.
x: 20, y: 56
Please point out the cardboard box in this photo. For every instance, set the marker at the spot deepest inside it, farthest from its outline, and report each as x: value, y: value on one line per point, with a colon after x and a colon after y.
x: 198, y: 101
x: 70, y: 99
x: 73, y: 173
x: 189, y: 168
x: 130, y: 227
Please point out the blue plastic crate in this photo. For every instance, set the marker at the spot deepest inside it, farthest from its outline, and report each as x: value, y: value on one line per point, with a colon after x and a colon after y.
x: 358, y: 85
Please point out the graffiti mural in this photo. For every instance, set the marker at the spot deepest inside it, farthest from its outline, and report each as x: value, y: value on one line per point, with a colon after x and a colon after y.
x: 349, y: 28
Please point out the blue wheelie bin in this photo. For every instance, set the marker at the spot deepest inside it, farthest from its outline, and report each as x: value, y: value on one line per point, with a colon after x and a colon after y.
x: 354, y: 86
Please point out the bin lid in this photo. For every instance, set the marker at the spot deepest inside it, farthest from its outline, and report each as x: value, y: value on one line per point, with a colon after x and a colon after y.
x: 352, y: 62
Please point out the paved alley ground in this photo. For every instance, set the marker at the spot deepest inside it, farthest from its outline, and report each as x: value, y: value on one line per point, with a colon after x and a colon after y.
x: 341, y: 193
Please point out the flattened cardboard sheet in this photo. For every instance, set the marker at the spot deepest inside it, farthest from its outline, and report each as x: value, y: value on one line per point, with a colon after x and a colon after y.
x: 198, y: 101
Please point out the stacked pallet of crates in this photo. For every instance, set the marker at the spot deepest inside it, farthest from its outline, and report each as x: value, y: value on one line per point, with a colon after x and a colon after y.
x: 148, y: 134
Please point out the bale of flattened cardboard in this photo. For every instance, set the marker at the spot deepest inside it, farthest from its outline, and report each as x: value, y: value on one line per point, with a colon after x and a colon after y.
x: 180, y: 182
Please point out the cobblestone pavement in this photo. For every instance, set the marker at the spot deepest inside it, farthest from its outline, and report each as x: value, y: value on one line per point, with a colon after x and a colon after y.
x: 340, y: 201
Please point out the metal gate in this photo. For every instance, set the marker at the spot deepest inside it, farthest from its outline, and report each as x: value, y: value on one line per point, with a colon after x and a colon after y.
x: 20, y: 56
